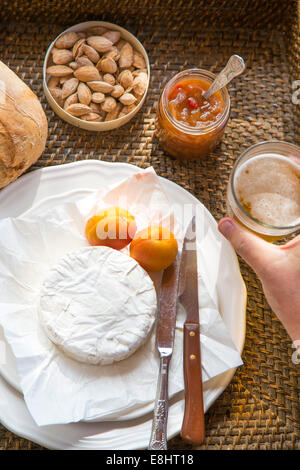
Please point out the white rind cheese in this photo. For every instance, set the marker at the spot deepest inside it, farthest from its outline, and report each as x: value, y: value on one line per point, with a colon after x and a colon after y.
x: 98, y: 305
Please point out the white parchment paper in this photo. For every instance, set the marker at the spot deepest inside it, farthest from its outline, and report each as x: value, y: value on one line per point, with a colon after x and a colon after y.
x: 56, y: 388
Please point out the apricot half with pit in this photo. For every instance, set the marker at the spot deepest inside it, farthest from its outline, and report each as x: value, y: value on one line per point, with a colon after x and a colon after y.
x: 113, y: 227
x: 154, y: 248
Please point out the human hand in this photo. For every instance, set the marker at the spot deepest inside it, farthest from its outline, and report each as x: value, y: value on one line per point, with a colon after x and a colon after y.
x: 278, y: 268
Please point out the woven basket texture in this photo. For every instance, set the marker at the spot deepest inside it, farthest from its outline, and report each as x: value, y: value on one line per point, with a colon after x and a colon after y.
x: 260, y: 407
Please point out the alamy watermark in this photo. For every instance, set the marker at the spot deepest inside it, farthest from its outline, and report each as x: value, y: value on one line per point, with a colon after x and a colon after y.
x: 296, y: 93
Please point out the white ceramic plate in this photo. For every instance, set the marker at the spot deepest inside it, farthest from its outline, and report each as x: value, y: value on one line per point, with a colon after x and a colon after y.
x: 34, y: 192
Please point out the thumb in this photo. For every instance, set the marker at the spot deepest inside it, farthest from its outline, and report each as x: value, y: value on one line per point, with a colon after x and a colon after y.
x: 258, y: 253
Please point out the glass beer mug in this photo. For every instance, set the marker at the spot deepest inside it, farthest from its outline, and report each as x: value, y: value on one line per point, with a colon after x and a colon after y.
x: 264, y: 189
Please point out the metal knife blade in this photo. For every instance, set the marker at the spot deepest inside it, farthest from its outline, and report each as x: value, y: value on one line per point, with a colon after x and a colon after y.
x: 189, y: 274
x: 193, y: 428
x: 165, y: 332
x: 167, y: 308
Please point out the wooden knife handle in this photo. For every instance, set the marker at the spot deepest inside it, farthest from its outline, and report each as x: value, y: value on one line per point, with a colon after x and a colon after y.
x: 193, y: 425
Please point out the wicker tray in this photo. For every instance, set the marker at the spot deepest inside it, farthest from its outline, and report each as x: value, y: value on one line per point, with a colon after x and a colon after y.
x: 259, y: 409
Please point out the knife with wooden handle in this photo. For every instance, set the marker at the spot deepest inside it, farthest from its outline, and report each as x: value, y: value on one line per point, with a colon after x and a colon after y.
x: 165, y: 332
x: 193, y: 426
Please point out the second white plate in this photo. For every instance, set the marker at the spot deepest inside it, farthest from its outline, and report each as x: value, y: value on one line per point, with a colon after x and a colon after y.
x: 35, y: 191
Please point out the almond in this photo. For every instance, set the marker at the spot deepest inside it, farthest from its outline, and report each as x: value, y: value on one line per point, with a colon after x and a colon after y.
x: 98, y: 97
x: 109, y: 104
x: 78, y: 48
x: 74, y: 65
x: 78, y: 109
x: 126, y: 56
x: 99, y: 43
x: 94, y: 117
x: 127, y: 99
x: 125, y: 78
x: 114, y: 113
x: 96, y: 108
x: 120, y: 44
x: 112, y: 36
x: 97, y: 30
x: 84, y: 60
x: 99, y: 85
x: 109, y: 78
x: 63, y: 80
x: 117, y: 91
x: 66, y: 41
x: 138, y: 60
x: 91, y: 53
x: 137, y: 72
x: 69, y: 87
x: 57, y: 95
x: 84, y: 93
x: 87, y: 73
x: 59, y: 70
x: 53, y: 82
x: 113, y: 53
x: 126, y: 110
x: 107, y: 65
x: 62, y: 56
x: 140, y: 83
x: 71, y: 100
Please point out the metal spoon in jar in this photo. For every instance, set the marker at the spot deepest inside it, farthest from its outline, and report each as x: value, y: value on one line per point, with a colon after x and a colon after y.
x: 234, y: 67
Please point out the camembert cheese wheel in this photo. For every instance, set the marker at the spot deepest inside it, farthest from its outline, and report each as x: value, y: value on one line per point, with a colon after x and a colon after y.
x: 98, y: 305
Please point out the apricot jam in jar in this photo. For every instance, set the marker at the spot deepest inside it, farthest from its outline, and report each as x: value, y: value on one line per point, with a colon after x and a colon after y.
x: 187, y: 125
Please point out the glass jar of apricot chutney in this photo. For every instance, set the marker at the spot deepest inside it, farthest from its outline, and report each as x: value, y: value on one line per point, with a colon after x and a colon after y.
x: 188, y: 126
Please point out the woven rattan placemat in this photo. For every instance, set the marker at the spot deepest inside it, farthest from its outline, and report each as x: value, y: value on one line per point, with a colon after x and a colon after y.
x: 259, y: 409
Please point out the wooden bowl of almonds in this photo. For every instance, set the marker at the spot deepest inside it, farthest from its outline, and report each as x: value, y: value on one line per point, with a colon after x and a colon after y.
x: 96, y: 75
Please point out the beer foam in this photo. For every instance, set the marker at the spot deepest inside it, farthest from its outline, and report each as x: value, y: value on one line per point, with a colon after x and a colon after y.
x: 268, y: 187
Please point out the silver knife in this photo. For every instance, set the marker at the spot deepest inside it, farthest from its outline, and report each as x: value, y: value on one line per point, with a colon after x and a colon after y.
x: 193, y: 427
x: 165, y: 333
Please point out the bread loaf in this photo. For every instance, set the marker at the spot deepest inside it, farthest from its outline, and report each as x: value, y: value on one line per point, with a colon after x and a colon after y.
x: 23, y: 126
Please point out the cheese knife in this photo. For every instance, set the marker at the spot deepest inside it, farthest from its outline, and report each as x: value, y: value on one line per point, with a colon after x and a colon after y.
x: 165, y: 333
x: 193, y: 427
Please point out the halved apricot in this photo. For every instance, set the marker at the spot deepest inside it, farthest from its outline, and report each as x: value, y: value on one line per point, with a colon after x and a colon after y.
x: 154, y: 248
x: 114, y: 227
